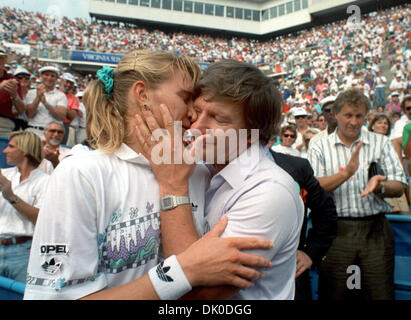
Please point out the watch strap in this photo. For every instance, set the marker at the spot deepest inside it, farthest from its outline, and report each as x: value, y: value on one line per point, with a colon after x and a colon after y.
x: 169, y: 202
x: 14, y: 200
x: 382, y: 190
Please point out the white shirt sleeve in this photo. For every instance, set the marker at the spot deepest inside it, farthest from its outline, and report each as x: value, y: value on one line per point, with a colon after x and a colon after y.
x: 64, y: 256
x: 315, y: 157
x: 397, y: 130
x: 62, y: 100
x: 267, y: 211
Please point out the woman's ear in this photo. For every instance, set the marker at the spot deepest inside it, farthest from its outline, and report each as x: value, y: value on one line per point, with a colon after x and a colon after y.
x: 139, y: 92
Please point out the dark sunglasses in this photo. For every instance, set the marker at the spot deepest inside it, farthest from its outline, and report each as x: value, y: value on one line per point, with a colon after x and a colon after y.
x: 54, y: 131
x: 23, y: 77
x: 408, y: 108
x: 289, y: 136
x: 327, y: 109
x: 300, y: 117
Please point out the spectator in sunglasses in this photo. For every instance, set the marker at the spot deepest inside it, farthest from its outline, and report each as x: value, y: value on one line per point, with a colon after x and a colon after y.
x: 321, y: 123
x: 23, y: 77
x: 288, y: 136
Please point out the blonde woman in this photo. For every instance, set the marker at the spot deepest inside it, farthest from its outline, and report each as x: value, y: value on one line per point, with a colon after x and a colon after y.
x: 22, y: 187
x: 102, y: 208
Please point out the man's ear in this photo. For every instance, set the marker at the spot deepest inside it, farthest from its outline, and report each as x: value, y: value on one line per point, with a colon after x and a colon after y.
x: 139, y: 92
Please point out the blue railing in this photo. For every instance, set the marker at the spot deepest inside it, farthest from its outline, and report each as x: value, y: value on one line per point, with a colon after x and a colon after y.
x: 11, y: 289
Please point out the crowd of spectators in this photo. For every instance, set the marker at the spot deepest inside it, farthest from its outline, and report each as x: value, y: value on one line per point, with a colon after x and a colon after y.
x: 333, y: 57
x: 311, y: 66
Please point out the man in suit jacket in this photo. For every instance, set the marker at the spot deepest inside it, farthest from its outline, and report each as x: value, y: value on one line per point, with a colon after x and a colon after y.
x: 323, y: 214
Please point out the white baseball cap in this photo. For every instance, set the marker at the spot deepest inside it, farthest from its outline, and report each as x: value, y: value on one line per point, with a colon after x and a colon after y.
x: 21, y: 71
x: 69, y: 77
x: 327, y: 100
x: 299, y: 111
x: 49, y: 68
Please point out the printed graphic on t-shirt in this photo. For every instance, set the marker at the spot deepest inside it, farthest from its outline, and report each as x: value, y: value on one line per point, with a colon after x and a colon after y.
x: 132, y: 243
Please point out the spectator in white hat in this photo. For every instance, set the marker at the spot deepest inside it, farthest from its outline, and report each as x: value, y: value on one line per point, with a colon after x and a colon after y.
x: 300, y: 116
x: 395, y: 104
x: 397, y: 84
x: 45, y: 103
x: 23, y: 77
x: 327, y: 111
x: 73, y: 103
x: 10, y: 92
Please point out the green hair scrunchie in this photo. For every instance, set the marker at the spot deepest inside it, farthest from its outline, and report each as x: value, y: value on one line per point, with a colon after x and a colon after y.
x: 106, y: 76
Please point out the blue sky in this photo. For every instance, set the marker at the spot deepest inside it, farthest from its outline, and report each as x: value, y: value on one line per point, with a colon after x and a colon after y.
x: 68, y: 8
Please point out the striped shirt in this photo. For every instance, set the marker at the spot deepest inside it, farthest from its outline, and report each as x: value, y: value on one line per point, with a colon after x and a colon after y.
x: 330, y: 155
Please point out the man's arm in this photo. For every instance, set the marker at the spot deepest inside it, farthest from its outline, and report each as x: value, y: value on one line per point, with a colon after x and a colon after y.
x: 323, y: 215
x: 209, y: 261
x: 32, y: 107
x: 397, y: 143
x: 74, y: 109
x: 58, y: 112
x: 330, y: 183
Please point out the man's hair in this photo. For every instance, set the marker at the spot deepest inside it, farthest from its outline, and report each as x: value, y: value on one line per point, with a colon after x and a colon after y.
x: 352, y: 97
x: 244, y: 84
x: 56, y: 122
x: 30, y: 143
x: 406, y: 98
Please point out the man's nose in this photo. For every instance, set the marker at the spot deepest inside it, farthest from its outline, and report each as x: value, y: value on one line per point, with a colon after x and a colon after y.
x: 199, y: 125
x: 191, y: 113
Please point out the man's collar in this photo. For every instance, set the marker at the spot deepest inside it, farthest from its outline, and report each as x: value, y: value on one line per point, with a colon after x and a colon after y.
x: 239, y: 169
x: 127, y: 154
x: 364, y: 136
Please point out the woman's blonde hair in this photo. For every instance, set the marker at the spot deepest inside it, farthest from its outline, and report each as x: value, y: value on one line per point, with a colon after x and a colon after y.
x: 30, y: 143
x: 106, y: 116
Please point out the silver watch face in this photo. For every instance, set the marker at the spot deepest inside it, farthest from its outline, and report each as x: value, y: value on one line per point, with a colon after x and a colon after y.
x: 167, y: 202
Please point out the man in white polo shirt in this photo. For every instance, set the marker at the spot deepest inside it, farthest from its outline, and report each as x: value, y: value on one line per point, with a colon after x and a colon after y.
x: 45, y: 103
x: 260, y: 198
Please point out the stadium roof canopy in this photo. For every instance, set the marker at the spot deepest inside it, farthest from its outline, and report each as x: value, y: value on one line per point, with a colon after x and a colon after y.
x: 250, y: 18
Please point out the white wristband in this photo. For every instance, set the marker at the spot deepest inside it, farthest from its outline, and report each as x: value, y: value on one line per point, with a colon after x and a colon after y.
x: 169, y: 280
